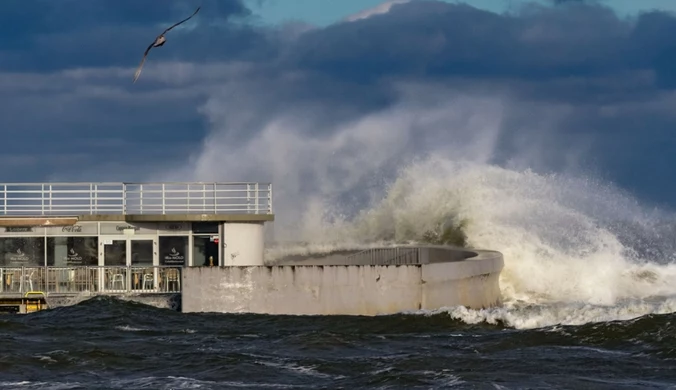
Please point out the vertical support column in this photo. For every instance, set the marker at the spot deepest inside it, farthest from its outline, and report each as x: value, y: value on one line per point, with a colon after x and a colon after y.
x: 191, y: 245
x: 221, y: 244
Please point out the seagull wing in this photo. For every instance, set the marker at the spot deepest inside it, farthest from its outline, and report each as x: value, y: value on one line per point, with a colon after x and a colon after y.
x: 143, y: 60
x: 184, y: 20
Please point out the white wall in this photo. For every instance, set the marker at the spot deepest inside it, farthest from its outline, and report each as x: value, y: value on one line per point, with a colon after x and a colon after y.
x: 473, y: 282
x: 243, y: 243
x: 343, y: 289
x: 355, y: 290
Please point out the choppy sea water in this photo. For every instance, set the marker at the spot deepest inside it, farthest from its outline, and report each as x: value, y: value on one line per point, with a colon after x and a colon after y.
x: 105, y: 343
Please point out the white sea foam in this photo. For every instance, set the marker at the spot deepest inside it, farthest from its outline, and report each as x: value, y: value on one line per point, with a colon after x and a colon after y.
x: 563, y: 261
x: 576, y: 249
x: 129, y: 328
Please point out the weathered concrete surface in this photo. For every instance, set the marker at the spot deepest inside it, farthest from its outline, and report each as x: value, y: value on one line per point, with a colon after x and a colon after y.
x: 473, y: 282
x: 332, y: 258
x: 303, y: 290
x: 347, y: 289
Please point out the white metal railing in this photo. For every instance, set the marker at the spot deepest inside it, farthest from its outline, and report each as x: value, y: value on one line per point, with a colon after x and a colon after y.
x: 386, y: 256
x: 73, y: 199
x: 95, y: 280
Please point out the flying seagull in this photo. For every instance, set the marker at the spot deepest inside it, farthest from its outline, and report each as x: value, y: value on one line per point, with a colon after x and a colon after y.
x: 159, y: 41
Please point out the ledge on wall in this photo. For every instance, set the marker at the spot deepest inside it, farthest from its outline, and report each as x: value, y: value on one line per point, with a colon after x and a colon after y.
x: 37, y: 221
x: 181, y: 217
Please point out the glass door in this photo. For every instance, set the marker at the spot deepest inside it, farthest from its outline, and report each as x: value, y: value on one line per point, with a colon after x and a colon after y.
x: 113, y: 275
x: 143, y: 258
x: 129, y: 264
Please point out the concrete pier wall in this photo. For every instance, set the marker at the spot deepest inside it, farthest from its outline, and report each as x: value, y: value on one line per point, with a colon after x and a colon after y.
x: 443, y: 278
x: 473, y: 282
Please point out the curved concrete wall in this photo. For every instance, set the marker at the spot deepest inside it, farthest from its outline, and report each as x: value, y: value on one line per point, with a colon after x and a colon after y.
x: 439, y: 281
x: 243, y: 243
x: 474, y: 281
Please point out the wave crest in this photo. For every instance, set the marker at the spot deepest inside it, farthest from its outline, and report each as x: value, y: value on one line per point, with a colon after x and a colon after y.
x: 565, y: 239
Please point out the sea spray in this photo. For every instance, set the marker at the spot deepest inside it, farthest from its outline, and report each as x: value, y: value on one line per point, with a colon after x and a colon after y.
x: 568, y: 239
x: 563, y: 258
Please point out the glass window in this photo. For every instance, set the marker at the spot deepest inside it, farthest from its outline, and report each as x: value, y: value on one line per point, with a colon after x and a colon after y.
x: 115, y: 253
x: 22, y: 251
x: 72, y: 251
x: 173, y: 250
x: 142, y: 252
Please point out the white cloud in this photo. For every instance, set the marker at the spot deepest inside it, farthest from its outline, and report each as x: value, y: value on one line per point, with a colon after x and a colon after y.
x: 382, y: 8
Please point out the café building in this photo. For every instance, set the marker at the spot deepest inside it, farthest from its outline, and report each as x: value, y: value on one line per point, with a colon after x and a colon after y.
x: 126, y: 237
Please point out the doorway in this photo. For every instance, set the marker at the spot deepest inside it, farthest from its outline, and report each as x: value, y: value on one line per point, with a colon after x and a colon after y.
x: 205, y: 251
x: 129, y: 263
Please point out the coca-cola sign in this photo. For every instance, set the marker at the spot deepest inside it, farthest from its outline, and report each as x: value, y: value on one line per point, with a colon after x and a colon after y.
x: 72, y: 229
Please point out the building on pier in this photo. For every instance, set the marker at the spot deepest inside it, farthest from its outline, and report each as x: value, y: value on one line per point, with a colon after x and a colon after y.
x: 112, y: 238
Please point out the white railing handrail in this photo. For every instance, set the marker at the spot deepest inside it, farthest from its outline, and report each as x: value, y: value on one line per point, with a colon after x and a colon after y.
x: 386, y: 256
x: 82, y: 198
x: 116, y: 183
x: 105, y: 280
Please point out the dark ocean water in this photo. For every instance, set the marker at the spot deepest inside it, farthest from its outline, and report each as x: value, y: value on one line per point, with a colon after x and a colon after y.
x: 105, y: 343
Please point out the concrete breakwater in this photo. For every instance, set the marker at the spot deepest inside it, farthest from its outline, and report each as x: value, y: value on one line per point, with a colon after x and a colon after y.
x: 372, y: 282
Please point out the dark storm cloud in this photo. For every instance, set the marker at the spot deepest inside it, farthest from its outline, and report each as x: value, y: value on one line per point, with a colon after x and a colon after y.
x: 24, y: 18
x: 614, y: 75
x: 434, y: 39
x: 47, y: 35
x: 610, y: 81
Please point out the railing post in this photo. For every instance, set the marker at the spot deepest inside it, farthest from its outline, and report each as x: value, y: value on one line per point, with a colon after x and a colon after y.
x: 248, y: 197
x: 256, y: 202
x: 163, y: 202
x: 124, y: 198
x: 270, y: 198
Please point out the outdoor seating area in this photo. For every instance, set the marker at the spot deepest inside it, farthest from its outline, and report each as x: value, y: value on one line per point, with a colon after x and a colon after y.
x: 91, y: 279
x: 103, y: 238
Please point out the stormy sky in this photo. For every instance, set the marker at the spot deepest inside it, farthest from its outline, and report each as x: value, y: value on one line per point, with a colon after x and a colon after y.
x: 553, y: 86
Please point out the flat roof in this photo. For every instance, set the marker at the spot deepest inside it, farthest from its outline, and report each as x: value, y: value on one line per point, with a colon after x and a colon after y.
x: 67, y: 221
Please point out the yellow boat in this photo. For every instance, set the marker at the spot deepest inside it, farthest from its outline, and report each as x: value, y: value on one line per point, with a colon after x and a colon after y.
x: 31, y: 302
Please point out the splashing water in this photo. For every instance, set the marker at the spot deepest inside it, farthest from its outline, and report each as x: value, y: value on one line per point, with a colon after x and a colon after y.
x: 575, y: 249
x: 564, y: 259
